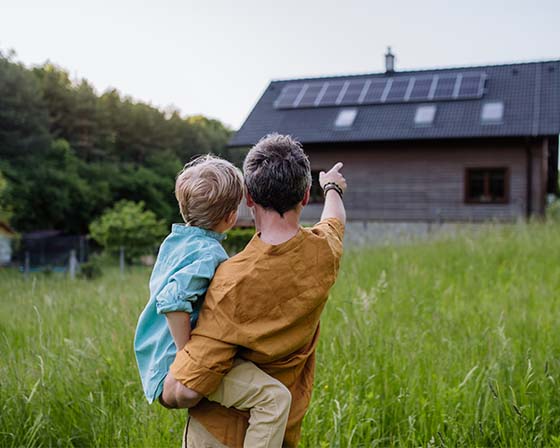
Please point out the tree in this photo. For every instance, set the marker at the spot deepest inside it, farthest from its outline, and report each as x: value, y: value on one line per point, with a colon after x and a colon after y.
x: 23, y: 115
x: 204, y: 135
x: 130, y: 226
x: 5, y: 209
x: 60, y: 100
x: 47, y: 191
x: 68, y: 153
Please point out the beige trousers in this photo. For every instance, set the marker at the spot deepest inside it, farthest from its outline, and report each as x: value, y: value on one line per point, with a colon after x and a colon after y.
x: 248, y: 388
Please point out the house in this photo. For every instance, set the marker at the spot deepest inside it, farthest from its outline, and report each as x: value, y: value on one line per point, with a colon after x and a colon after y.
x: 7, y: 234
x: 464, y: 144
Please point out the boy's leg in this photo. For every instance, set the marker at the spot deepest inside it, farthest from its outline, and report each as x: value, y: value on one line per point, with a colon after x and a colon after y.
x: 248, y: 388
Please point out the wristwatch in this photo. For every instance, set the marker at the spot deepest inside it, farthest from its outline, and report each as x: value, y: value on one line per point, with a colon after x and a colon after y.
x: 332, y: 186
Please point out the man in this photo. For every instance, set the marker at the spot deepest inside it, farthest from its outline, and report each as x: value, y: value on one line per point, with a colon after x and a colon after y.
x: 264, y: 304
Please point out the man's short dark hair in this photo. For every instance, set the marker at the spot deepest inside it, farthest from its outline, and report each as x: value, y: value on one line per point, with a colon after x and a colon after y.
x: 277, y: 173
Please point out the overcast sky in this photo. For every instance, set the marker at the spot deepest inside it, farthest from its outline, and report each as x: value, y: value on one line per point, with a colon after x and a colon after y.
x: 216, y: 57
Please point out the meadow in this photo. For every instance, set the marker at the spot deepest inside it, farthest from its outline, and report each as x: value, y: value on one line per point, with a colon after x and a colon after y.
x: 452, y: 342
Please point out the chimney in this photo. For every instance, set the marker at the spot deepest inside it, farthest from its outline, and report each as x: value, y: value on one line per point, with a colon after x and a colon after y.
x: 389, y: 61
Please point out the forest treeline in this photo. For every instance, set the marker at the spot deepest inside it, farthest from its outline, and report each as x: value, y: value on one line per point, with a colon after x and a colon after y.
x: 67, y: 153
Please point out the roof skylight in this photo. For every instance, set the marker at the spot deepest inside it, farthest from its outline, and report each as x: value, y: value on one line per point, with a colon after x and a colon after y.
x: 345, y: 118
x: 492, y: 112
x: 425, y: 115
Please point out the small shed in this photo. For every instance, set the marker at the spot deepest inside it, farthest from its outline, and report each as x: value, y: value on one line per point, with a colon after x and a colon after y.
x: 7, y: 234
x: 464, y: 144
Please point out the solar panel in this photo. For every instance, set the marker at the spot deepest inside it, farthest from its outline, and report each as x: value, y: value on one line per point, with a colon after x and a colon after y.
x: 288, y: 96
x: 471, y: 85
x: 398, y: 90
x: 374, y: 90
x: 445, y: 87
x: 331, y: 93
x: 353, y: 92
x: 421, y: 89
x: 310, y: 95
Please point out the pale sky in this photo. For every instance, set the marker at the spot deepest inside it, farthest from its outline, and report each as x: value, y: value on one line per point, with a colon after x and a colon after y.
x: 217, y: 57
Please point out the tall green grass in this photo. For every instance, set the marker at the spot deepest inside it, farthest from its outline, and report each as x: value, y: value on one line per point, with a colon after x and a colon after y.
x: 446, y: 343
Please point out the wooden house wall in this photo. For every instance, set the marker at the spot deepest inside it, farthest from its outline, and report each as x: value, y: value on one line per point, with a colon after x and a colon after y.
x: 424, y: 181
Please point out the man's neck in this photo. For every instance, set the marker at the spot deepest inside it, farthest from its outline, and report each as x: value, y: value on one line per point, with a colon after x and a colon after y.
x: 275, y: 229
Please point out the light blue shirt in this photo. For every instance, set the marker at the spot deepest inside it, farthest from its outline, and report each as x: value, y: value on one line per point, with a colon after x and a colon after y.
x: 185, y: 265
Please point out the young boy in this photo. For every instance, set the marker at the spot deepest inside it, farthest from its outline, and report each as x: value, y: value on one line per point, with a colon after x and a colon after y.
x: 209, y: 191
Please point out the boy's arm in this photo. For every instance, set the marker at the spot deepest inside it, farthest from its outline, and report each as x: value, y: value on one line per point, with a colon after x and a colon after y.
x: 334, y: 207
x: 179, y: 324
x: 186, y: 286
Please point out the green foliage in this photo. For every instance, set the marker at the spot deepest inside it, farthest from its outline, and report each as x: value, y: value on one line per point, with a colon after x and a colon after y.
x: 68, y: 153
x: 128, y: 225
x: 5, y: 208
x: 23, y: 113
x: 237, y: 239
x: 206, y: 135
x: 92, y: 269
x: 450, y: 343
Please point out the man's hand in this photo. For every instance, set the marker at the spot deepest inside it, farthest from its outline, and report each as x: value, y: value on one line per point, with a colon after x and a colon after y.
x: 334, y: 207
x: 334, y: 176
x: 177, y: 396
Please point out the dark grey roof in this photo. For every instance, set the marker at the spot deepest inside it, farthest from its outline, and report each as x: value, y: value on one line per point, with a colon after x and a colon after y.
x: 530, y: 93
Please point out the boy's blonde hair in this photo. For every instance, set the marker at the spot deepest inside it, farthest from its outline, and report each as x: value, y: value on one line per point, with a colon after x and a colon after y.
x: 208, y: 189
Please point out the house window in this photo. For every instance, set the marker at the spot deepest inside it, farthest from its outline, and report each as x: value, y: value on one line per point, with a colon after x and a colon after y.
x: 486, y: 186
x: 425, y: 115
x: 492, y: 112
x: 345, y: 118
x: 316, y: 195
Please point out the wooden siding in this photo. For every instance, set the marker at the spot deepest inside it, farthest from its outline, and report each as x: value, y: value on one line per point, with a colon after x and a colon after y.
x: 539, y: 154
x: 424, y: 181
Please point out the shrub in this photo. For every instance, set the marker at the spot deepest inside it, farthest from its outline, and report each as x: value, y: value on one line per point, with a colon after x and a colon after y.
x: 237, y: 239
x: 92, y: 269
x: 128, y: 225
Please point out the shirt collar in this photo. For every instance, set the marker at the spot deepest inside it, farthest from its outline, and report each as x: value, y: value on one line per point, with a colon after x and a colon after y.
x: 182, y: 229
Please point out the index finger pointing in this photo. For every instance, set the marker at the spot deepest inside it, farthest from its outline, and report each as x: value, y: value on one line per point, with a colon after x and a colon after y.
x: 337, y: 166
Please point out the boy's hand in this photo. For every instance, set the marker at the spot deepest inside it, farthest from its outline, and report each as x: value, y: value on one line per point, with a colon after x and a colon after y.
x: 334, y: 176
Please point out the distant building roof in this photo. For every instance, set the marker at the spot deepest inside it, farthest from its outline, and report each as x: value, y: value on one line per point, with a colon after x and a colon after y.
x: 485, y: 101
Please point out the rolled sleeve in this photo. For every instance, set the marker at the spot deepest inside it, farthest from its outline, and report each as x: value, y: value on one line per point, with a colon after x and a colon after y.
x: 193, y: 375
x: 203, y: 362
x: 186, y: 286
x: 170, y: 299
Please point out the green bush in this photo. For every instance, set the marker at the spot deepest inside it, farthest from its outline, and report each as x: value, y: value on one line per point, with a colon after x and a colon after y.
x: 128, y: 225
x: 92, y: 269
x: 237, y: 239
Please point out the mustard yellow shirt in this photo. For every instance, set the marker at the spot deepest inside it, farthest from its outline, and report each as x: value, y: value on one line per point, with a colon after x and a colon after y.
x: 263, y: 305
